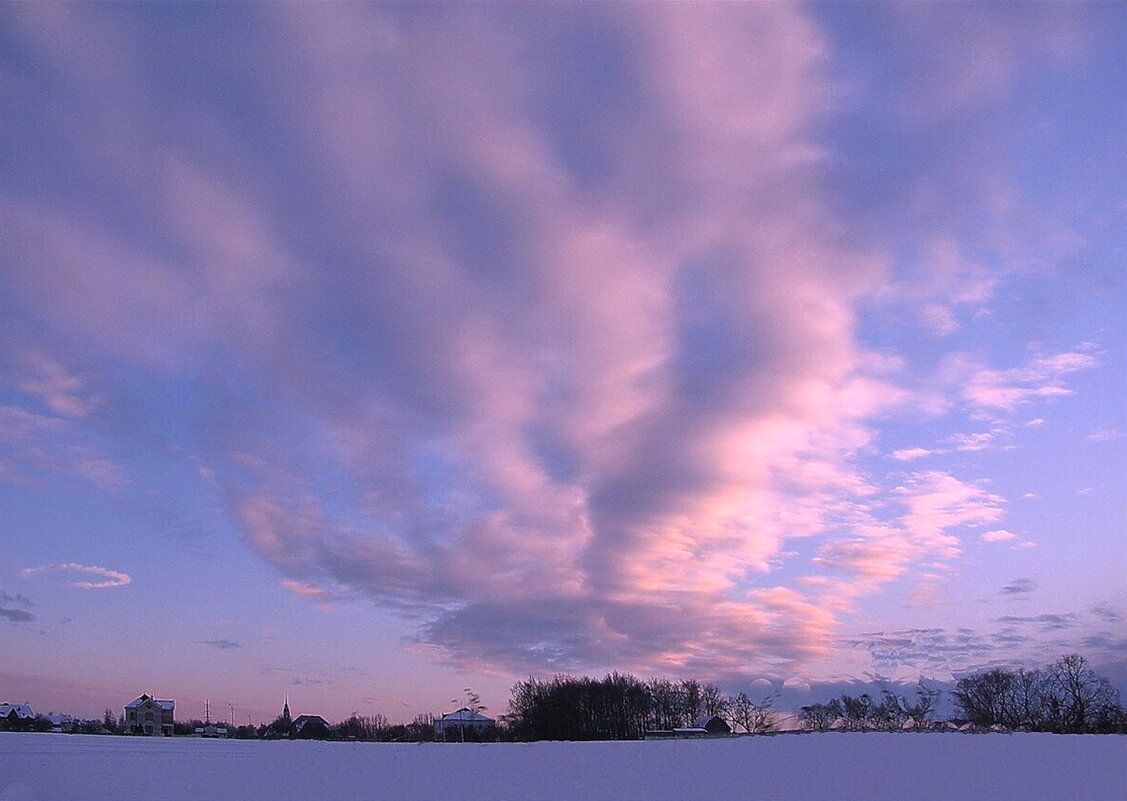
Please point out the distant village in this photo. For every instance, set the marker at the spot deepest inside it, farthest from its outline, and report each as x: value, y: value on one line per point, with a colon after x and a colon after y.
x: 147, y: 716
x: 1064, y: 697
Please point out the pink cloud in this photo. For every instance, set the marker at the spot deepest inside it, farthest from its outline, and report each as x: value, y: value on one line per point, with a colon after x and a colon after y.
x: 998, y: 535
x: 60, y: 390
x: 560, y: 413
x: 304, y: 589
x: 109, y: 578
x: 1042, y: 377
x: 34, y: 443
x: 939, y: 502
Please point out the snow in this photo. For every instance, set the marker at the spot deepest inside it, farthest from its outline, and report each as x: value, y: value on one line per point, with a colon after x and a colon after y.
x: 792, y: 767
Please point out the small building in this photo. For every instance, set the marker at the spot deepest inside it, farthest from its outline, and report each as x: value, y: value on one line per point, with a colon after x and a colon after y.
x: 712, y: 724
x: 149, y: 716
x: 458, y: 724
x: 704, y: 726
x: 60, y: 722
x: 211, y: 730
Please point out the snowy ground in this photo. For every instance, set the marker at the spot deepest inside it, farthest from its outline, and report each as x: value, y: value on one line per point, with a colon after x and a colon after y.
x: 802, y: 767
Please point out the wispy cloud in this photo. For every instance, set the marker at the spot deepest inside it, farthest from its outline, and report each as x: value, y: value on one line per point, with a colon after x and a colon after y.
x: 62, y: 391
x: 570, y: 399
x: 15, y: 608
x: 998, y: 535
x: 36, y: 443
x: 1023, y: 586
x: 1107, y: 614
x: 1041, y: 378
x: 1046, y: 622
x: 109, y: 578
x: 305, y: 590
x: 223, y: 644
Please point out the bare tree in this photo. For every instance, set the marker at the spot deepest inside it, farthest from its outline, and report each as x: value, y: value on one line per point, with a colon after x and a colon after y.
x: 1076, y: 695
x: 754, y: 717
x: 820, y: 717
x: 1067, y: 696
x: 986, y: 698
x: 920, y: 711
x: 713, y: 701
x: 857, y: 712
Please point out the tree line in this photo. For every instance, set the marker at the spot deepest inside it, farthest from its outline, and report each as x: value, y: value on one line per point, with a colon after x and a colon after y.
x: 623, y: 707
x: 1065, y: 697
x: 864, y: 713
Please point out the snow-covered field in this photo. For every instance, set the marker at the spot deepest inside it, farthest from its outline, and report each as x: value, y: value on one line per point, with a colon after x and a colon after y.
x: 951, y: 767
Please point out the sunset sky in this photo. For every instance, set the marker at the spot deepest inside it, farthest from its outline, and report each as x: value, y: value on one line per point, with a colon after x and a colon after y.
x: 367, y: 353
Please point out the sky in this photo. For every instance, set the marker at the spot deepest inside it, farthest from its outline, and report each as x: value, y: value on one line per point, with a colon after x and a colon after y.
x: 367, y: 353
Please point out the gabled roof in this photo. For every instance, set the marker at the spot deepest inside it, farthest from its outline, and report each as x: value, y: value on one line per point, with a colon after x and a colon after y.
x: 703, y: 721
x: 714, y: 724
x: 169, y: 705
x: 301, y: 721
x: 466, y: 715
x: 23, y: 711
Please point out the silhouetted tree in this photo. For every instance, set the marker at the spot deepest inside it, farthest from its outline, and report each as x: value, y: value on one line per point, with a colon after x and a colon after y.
x: 1066, y: 697
x: 986, y: 699
x: 358, y: 727
x: 713, y: 701
x: 820, y: 717
x: 1077, y: 697
x: 857, y: 712
x: 753, y: 717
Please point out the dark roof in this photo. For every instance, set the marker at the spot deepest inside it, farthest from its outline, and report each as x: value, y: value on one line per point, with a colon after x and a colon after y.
x: 713, y: 724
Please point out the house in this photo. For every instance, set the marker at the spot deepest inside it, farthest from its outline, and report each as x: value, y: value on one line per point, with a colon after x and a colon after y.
x: 149, y: 716
x: 704, y: 726
x: 311, y: 727
x: 462, y: 721
x: 16, y: 717
x: 60, y: 722
x: 712, y: 724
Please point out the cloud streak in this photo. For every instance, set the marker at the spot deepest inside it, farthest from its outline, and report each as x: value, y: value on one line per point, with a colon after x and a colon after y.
x: 108, y: 578
x: 222, y: 645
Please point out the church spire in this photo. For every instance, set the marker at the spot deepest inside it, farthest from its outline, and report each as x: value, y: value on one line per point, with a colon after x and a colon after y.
x: 286, y: 708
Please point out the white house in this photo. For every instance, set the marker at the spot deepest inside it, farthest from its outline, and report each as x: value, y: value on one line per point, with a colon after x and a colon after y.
x: 456, y: 724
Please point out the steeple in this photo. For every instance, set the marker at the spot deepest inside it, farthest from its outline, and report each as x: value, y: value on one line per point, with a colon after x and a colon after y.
x: 286, y: 709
